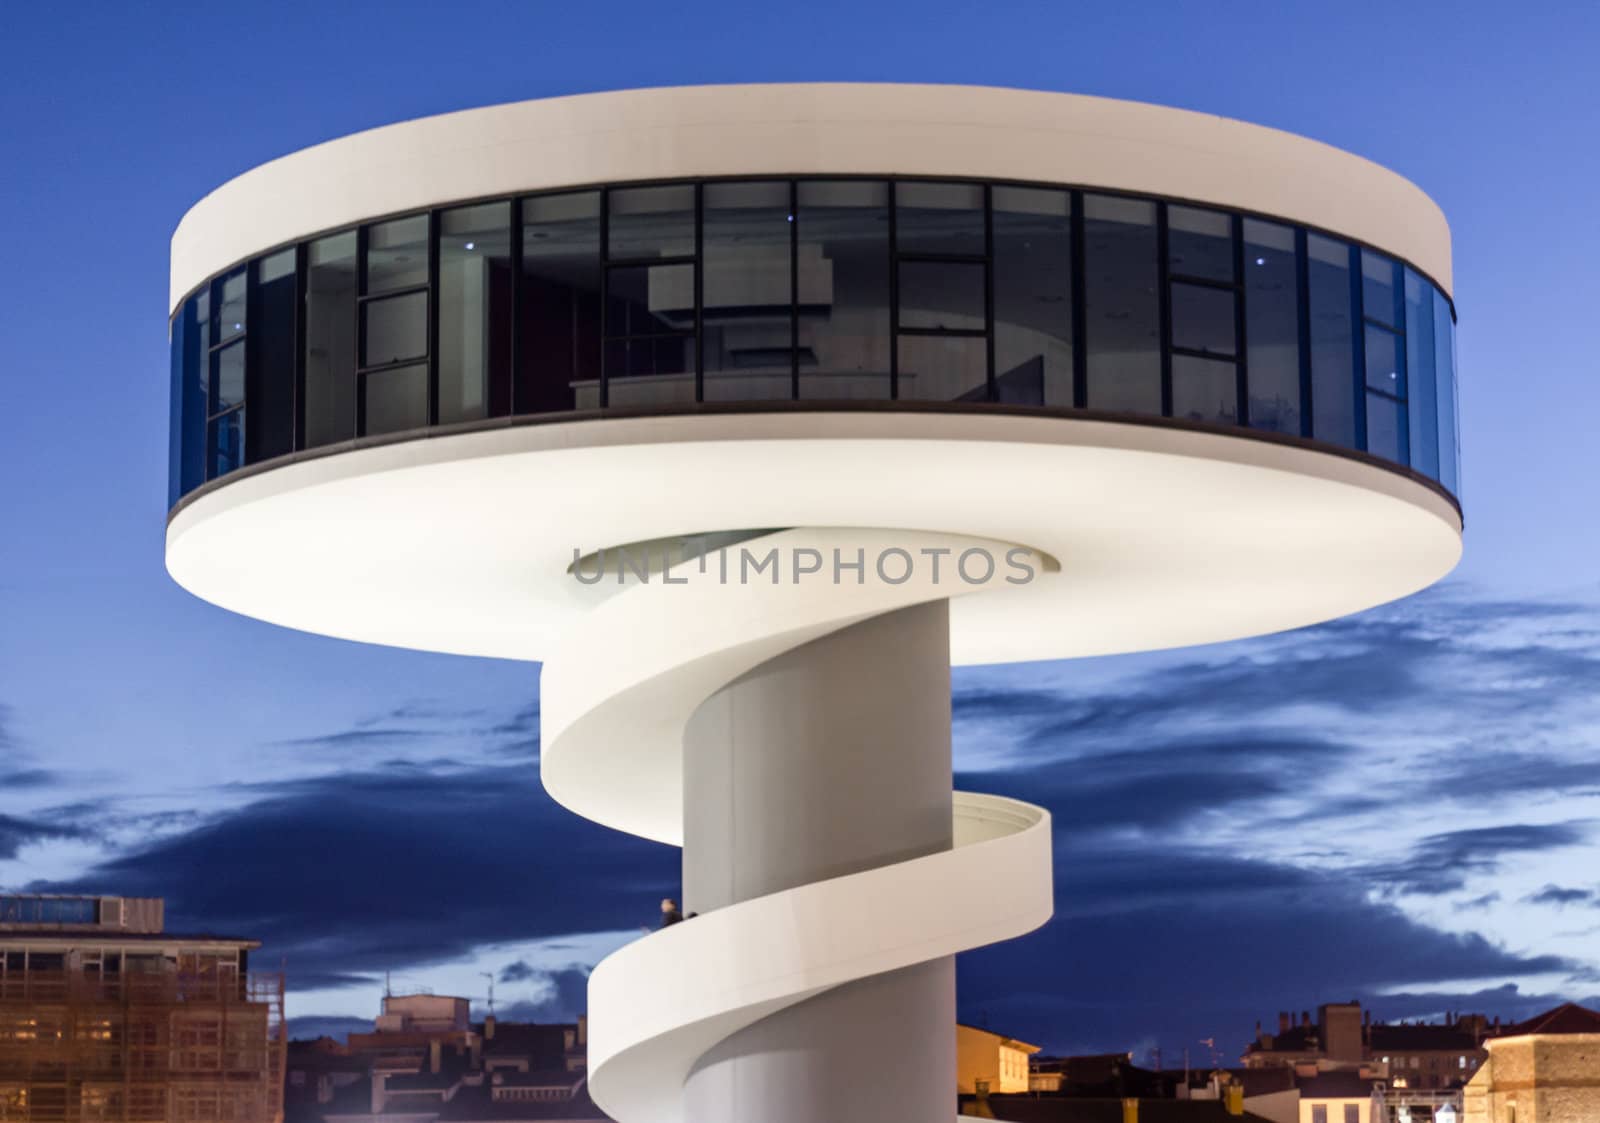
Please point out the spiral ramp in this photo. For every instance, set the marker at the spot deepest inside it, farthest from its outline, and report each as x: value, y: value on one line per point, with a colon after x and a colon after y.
x: 617, y: 699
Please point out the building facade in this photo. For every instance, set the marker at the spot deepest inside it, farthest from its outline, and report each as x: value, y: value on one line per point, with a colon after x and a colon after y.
x: 1134, y: 377
x: 1544, y: 1070
x: 1417, y: 1055
x: 105, y: 1016
x: 999, y: 1063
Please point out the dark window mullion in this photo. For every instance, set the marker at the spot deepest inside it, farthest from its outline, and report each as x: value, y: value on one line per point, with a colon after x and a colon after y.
x: 927, y: 258
x: 298, y: 405
x: 946, y: 333
x: 894, y: 296
x: 1080, y: 306
x: 1204, y: 282
x: 361, y: 331
x: 432, y: 311
x: 794, y: 290
x: 386, y: 294
x: 605, y: 291
x: 1303, y: 286
x: 514, y: 353
x: 1164, y: 304
x: 699, y: 294
x: 1241, y: 347
x: 1199, y: 353
x: 646, y: 262
x: 1358, y: 346
x: 988, y: 289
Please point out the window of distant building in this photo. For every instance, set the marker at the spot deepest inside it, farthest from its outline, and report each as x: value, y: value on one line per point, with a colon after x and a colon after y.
x: 1319, y: 1113
x: 1352, y: 1113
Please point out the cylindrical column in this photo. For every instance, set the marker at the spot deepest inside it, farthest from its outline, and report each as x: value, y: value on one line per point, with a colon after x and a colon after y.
x: 829, y: 759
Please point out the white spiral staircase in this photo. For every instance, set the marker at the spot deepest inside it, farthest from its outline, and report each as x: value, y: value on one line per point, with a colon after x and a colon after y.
x: 616, y: 699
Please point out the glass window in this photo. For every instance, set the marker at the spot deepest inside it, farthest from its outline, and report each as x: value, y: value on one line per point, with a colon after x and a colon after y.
x: 1199, y: 243
x: 941, y: 294
x: 225, y: 442
x: 1352, y: 1113
x: 747, y: 319
x: 1386, y: 427
x: 395, y: 399
x: 190, y: 375
x: 227, y: 378
x: 1272, y: 326
x: 1319, y: 1113
x: 944, y: 368
x: 1205, y: 389
x: 330, y: 400
x: 1122, y: 319
x: 1384, y: 369
x: 1380, y: 289
x: 394, y: 328
x: 559, y: 357
x: 650, y: 371
x: 1033, y: 296
x: 843, y: 262
x: 1333, y: 375
x: 231, y: 307
x: 271, y: 376
x: 939, y: 218
x: 649, y: 299
x: 1444, y: 372
x: 474, y: 312
x: 651, y: 222
x: 1423, y: 411
x: 397, y: 254
x: 1202, y: 319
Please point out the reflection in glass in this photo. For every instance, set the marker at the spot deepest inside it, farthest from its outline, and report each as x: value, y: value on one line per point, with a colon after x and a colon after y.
x: 939, y: 218
x: 1199, y: 243
x: 1444, y: 372
x: 1386, y: 427
x: 270, y: 384
x: 1205, y: 389
x: 649, y: 299
x: 396, y: 399
x: 190, y: 374
x: 559, y: 357
x: 651, y: 222
x: 1032, y: 296
x: 330, y: 405
x: 394, y: 328
x: 647, y: 371
x: 941, y: 294
x: 943, y: 368
x: 1202, y: 319
x: 227, y: 378
x: 843, y: 230
x: 397, y: 254
x: 1333, y: 373
x: 1272, y: 326
x: 1421, y: 396
x: 231, y: 307
x: 474, y: 312
x: 748, y: 312
x: 1380, y: 289
x: 225, y: 439
x: 1122, y: 319
x: 1384, y: 369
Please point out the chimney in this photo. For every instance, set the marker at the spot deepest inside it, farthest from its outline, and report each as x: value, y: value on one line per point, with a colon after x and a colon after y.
x: 1366, y: 1017
x: 380, y: 1097
x: 435, y: 1055
x: 488, y: 1028
x: 1233, y: 1099
x: 1283, y: 1021
x: 1305, y: 1018
x: 1130, y: 1111
x: 583, y: 1030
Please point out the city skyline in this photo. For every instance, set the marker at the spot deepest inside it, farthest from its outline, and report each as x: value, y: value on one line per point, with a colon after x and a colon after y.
x: 1400, y: 802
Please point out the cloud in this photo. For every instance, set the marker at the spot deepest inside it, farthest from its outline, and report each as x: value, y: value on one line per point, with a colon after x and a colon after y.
x: 371, y: 871
x: 517, y: 972
x: 16, y: 833
x: 1556, y: 895
x: 1443, y: 863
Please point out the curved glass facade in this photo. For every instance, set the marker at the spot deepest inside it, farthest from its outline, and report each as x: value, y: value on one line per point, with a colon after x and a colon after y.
x: 656, y: 296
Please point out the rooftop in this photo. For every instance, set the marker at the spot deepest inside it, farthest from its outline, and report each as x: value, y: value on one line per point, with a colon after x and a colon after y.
x: 1031, y: 1108
x: 1569, y: 1017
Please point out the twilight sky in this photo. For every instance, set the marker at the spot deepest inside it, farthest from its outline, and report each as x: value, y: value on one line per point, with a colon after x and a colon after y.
x: 1403, y: 806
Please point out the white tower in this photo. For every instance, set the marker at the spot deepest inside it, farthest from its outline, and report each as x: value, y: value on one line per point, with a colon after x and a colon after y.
x: 749, y: 410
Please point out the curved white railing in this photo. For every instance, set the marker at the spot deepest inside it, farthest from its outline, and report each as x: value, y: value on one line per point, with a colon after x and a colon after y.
x: 615, y: 700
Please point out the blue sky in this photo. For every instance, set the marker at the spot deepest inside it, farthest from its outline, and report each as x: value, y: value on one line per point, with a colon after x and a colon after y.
x: 1402, y: 806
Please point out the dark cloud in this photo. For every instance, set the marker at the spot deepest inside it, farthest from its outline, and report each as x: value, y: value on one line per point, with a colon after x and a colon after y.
x: 517, y: 972
x: 569, y: 998
x: 1443, y: 863
x: 373, y: 871
x: 1191, y: 945
x: 16, y: 833
x: 1557, y: 895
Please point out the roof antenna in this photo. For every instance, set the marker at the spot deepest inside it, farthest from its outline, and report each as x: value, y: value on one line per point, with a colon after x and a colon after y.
x: 490, y: 976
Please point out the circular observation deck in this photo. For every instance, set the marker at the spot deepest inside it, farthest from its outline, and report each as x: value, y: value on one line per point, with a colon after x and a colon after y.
x: 1206, y: 367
